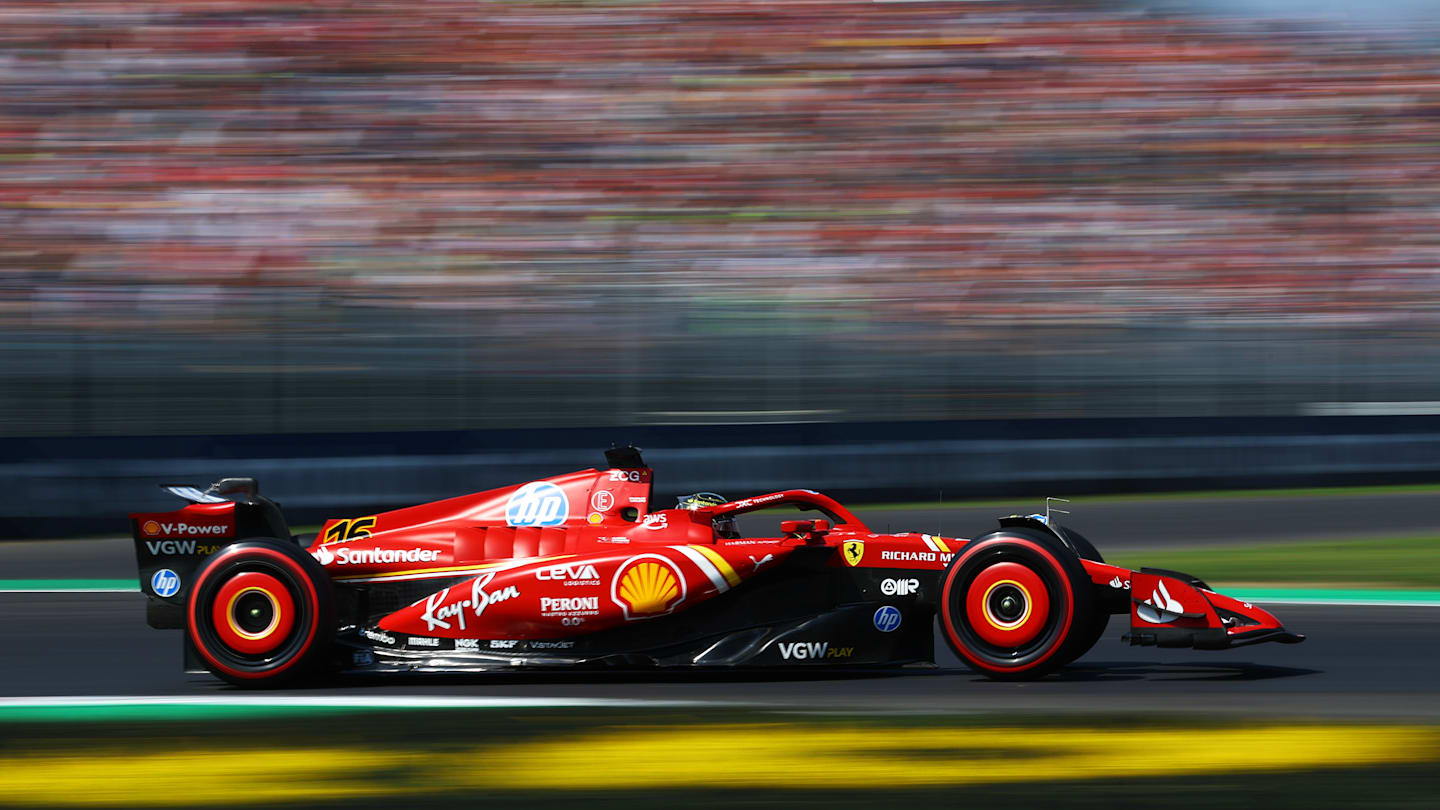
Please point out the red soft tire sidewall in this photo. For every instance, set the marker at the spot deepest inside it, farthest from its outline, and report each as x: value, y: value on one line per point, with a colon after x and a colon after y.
x: 223, y: 560
x: 1066, y: 602
x: 1031, y: 584
x: 281, y: 598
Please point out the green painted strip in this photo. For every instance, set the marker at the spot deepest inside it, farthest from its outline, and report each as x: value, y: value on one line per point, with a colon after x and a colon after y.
x: 54, y: 585
x: 161, y: 708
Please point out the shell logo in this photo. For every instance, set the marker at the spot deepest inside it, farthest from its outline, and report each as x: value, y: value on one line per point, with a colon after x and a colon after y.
x: 647, y: 586
x: 151, y: 528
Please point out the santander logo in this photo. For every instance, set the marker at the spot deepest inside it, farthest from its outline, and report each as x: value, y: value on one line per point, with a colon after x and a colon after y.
x: 347, y: 555
x: 1161, y: 607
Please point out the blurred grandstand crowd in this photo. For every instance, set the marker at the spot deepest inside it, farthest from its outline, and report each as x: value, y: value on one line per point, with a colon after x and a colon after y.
x: 985, y: 200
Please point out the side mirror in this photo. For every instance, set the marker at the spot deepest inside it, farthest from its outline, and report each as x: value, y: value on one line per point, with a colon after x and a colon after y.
x: 813, y: 530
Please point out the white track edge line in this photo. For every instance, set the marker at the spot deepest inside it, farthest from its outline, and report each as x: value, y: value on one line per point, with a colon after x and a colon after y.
x: 338, y: 701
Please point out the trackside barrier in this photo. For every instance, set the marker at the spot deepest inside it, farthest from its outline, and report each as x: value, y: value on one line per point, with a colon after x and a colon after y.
x: 75, y: 485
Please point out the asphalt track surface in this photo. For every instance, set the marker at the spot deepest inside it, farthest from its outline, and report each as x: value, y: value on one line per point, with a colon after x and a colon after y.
x: 1358, y: 661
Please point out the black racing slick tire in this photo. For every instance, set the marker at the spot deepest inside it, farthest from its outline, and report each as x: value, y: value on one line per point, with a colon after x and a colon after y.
x: 1014, y: 603
x: 261, y: 613
x: 1083, y: 546
x: 1093, y: 628
x: 1086, y: 637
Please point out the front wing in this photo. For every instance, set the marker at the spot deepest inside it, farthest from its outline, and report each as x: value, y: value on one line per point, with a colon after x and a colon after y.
x: 1174, y: 609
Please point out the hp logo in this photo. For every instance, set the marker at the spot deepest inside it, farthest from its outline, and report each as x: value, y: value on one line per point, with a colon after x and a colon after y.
x: 165, y: 582
x: 887, y: 618
x: 539, y: 503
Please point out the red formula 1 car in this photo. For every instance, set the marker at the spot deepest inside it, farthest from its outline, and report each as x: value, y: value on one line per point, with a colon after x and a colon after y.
x: 577, y: 571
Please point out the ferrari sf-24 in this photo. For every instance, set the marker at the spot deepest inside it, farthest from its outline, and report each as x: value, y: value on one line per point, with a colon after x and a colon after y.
x: 577, y: 571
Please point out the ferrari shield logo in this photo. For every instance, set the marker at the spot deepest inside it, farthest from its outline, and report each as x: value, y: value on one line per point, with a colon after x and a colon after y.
x: 854, y: 550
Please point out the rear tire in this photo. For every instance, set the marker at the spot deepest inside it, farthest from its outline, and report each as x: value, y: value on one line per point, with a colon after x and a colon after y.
x: 261, y: 613
x: 1015, y: 603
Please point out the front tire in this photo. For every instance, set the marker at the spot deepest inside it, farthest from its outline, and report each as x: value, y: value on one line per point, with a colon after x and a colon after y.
x: 1093, y: 628
x: 261, y: 613
x: 1014, y: 604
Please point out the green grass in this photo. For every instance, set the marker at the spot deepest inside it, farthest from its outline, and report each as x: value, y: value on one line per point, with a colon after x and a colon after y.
x: 1406, y: 562
x: 1311, y: 492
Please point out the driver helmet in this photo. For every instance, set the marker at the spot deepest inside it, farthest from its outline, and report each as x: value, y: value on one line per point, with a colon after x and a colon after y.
x: 699, y: 500
x: 723, y: 528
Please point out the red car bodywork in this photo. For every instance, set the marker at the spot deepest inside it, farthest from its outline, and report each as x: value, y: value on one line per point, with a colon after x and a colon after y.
x: 582, y: 556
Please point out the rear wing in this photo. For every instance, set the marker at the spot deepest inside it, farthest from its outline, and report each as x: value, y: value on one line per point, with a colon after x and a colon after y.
x: 169, y: 546
x: 242, y: 490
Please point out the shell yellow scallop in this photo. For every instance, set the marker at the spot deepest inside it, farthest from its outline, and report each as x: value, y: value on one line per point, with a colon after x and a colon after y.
x: 649, y: 587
